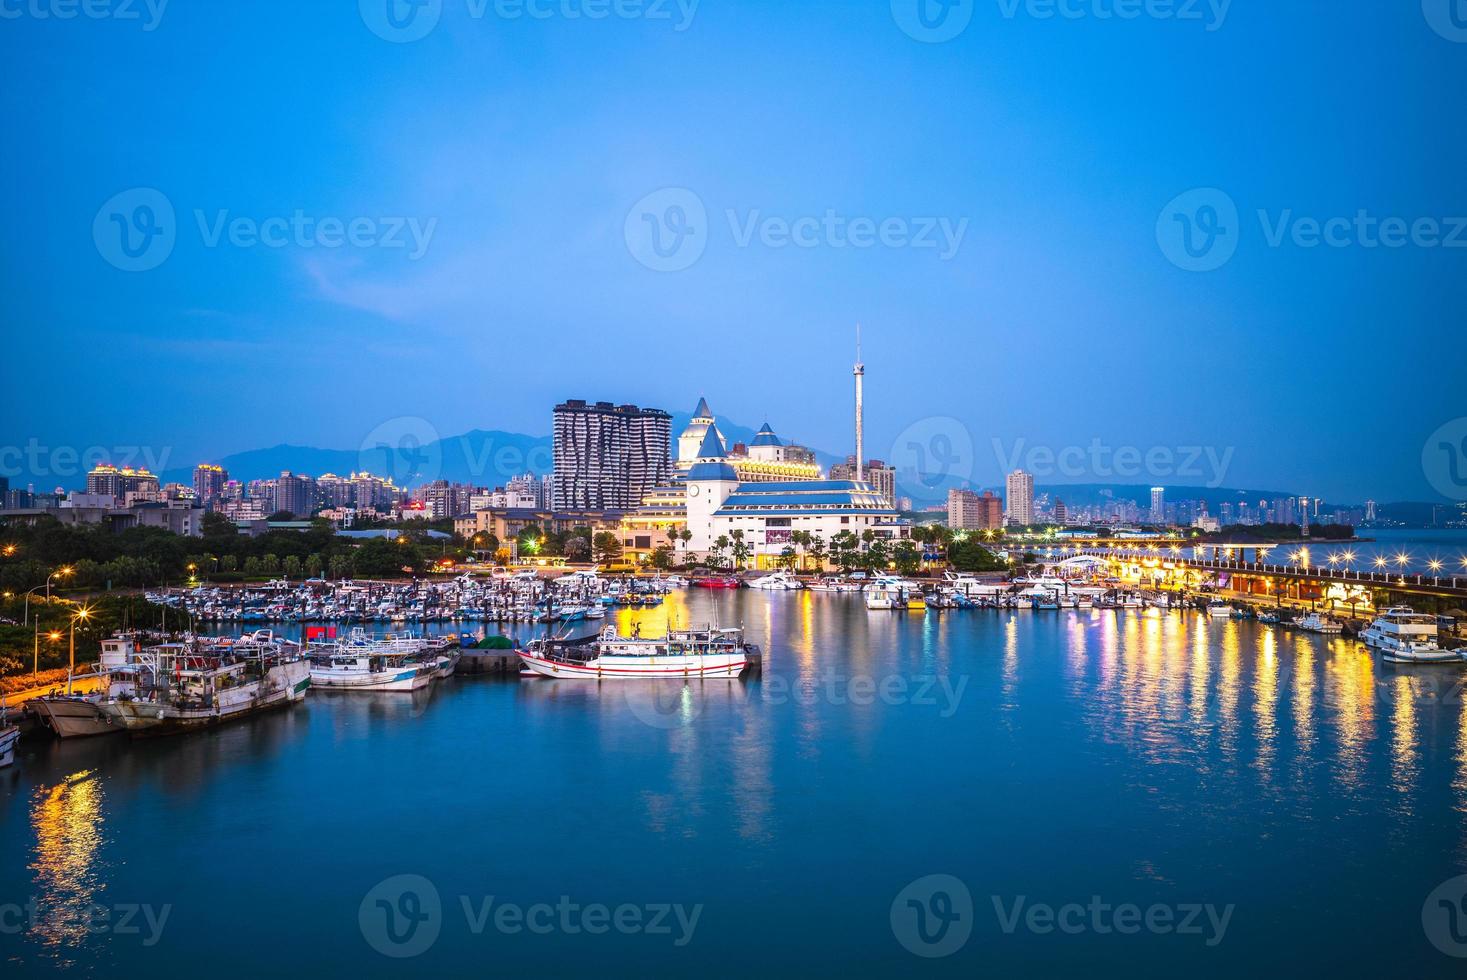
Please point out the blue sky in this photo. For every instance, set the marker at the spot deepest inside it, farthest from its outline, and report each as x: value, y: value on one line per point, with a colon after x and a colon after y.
x: 529, y: 153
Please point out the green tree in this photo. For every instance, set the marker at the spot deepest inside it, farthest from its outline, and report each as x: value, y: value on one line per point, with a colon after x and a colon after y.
x: 908, y: 557
x: 843, y: 550
x: 741, y: 551
x: 606, y: 547
x: 293, y: 567
x: 662, y: 558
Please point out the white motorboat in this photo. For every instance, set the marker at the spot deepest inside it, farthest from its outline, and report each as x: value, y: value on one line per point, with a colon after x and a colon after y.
x: 395, y: 662
x: 780, y: 581
x: 1220, y: 610
x: 1315, y: 623
x: 1405, y: 636
x: 833, y: 584
x: 880, y: 597
x: 706, y: 652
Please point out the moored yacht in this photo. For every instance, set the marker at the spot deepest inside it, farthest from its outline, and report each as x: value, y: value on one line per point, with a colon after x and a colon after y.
x: 705, y: 652
x: 780, y: 581
x: 1405, y: 636
x: 1315, y: 623
x: 9, y: 735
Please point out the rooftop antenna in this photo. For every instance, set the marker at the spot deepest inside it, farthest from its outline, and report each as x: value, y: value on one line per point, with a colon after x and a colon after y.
x: 860, y: 373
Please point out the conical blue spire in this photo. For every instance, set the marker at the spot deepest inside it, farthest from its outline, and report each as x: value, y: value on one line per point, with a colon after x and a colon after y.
x: 712, y: 447
x: 701, y: 412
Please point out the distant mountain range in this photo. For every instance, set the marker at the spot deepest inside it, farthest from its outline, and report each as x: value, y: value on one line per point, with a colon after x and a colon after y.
x: 411, y: 453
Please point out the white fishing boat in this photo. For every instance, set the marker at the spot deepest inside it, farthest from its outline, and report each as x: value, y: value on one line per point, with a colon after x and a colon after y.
x: 1315, y: 623
x: 780, y: 581
x: 1405, y: 636
x: 70, y: 715
x: 361, y: 662
x: 9, y: 735
x: 1219, y: 609
x: 706, y: 652
x: 200, y: 683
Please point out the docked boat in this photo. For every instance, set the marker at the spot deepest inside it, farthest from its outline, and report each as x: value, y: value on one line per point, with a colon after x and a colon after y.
x: 880, y: 597
x: 395, y: 662
x: 716, y: 582
x: 705, y: 652
x: 1315, y: 623
x: 9, y: 735
x: 71, y: 715
x: 1220, y: 610
x: 780, y: 581
x: 200, y: 683
x: 828, y: 583
x: 1405, y: 636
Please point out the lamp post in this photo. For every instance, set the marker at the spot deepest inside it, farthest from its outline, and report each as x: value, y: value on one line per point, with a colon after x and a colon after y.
x: 63, y: 571
x: 80, y: 614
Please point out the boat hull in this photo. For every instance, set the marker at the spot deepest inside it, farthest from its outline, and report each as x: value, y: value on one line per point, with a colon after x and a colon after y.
x: 8, y: 737
x: 639, y: 668
x: 392, y: 679
x: 282, y: 685
x: 72, y: 717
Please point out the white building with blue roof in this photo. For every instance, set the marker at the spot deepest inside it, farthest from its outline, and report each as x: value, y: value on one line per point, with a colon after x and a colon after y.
x: 769, y: 512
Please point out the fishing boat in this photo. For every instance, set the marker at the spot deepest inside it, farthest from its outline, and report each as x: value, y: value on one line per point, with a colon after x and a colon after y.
x: 9, y: 735
x: 705, y: 652
x: 200, y: 683
x: 71, y: 715
x: 362, y: 662
x: 1405, y: 636
x: 1315, y: 623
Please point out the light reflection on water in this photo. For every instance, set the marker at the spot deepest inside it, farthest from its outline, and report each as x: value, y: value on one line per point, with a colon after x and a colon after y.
x: 1191, y: 724
x: 68, y: 876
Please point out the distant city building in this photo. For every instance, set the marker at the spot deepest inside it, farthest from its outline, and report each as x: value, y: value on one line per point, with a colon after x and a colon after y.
x: 1061, y: 515
x: 882, y: 478
x: 1158, y: 505
x: 608, y: 456
x: 209, y: 481
x: 968, y: 511
x: 110, y: 481
x: 295, y: 494
x: 1019, y: 498
x: 1370, y: 511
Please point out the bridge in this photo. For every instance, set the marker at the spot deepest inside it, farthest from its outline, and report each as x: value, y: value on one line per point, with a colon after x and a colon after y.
x: 1229, y: 567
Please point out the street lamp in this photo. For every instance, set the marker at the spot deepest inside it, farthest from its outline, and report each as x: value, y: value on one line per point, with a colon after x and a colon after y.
x: 80, y: 615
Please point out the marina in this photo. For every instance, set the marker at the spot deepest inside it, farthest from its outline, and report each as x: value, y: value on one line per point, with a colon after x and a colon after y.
x: 1180, y: 720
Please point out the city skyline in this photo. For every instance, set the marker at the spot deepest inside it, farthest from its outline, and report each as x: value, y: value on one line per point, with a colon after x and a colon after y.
x: 1049, y: 305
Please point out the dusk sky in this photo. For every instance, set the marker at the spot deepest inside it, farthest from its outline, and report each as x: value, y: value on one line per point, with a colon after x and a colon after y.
x: 996, y: 209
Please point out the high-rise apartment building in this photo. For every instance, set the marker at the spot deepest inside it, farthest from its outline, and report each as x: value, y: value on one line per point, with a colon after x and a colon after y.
x: 879, y: 476
x: 968, y: 511
x: 607, y: 457
x: 209, y: 481
x: 115, y: 482
x: 1158, y: 505
x: 1019, y: 498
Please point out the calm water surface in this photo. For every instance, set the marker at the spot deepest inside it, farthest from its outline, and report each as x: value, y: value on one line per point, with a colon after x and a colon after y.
x: 1037, y: 758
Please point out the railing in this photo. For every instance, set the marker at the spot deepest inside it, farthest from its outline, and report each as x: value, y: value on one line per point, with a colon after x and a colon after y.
x: 1396, y: 579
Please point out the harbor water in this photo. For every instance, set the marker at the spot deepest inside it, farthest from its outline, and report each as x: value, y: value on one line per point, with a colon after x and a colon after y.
x: 951, y: 793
